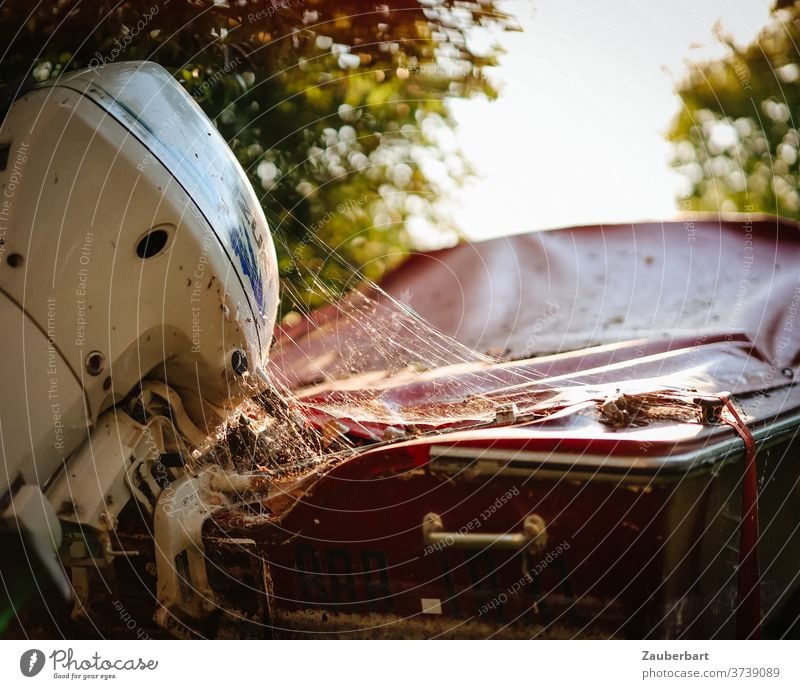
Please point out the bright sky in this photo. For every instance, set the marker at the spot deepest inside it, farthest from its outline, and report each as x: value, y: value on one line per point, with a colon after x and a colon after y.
x: 577, y: 135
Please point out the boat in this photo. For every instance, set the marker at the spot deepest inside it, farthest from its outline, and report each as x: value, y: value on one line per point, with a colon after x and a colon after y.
x: 616, y: 459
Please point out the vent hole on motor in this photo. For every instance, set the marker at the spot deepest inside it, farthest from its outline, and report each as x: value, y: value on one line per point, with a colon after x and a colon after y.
x: 152, y: 244
x: 95, y: 363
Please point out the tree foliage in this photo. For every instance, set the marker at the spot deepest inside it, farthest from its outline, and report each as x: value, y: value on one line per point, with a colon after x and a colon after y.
x: 736, y: 137
x: 334, y: 107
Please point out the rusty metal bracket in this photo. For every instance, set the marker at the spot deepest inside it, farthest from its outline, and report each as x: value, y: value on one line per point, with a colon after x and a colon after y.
x: 183, y: 588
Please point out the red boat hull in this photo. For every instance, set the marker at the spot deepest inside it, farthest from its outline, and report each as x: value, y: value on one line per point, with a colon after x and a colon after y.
x: 644, y: 521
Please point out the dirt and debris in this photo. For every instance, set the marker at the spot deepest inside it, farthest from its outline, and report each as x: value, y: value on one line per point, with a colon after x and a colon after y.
x: 623, y: 410
x: 317, y: 624
x: 272, y: 435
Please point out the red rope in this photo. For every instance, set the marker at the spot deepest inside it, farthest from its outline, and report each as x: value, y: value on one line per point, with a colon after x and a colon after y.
x: 748, y: 611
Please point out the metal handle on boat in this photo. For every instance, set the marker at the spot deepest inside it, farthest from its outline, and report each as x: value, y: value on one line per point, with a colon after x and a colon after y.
x: 533, y: 536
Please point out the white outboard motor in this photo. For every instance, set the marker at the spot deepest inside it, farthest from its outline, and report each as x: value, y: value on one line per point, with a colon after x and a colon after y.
x: 138, y: 293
